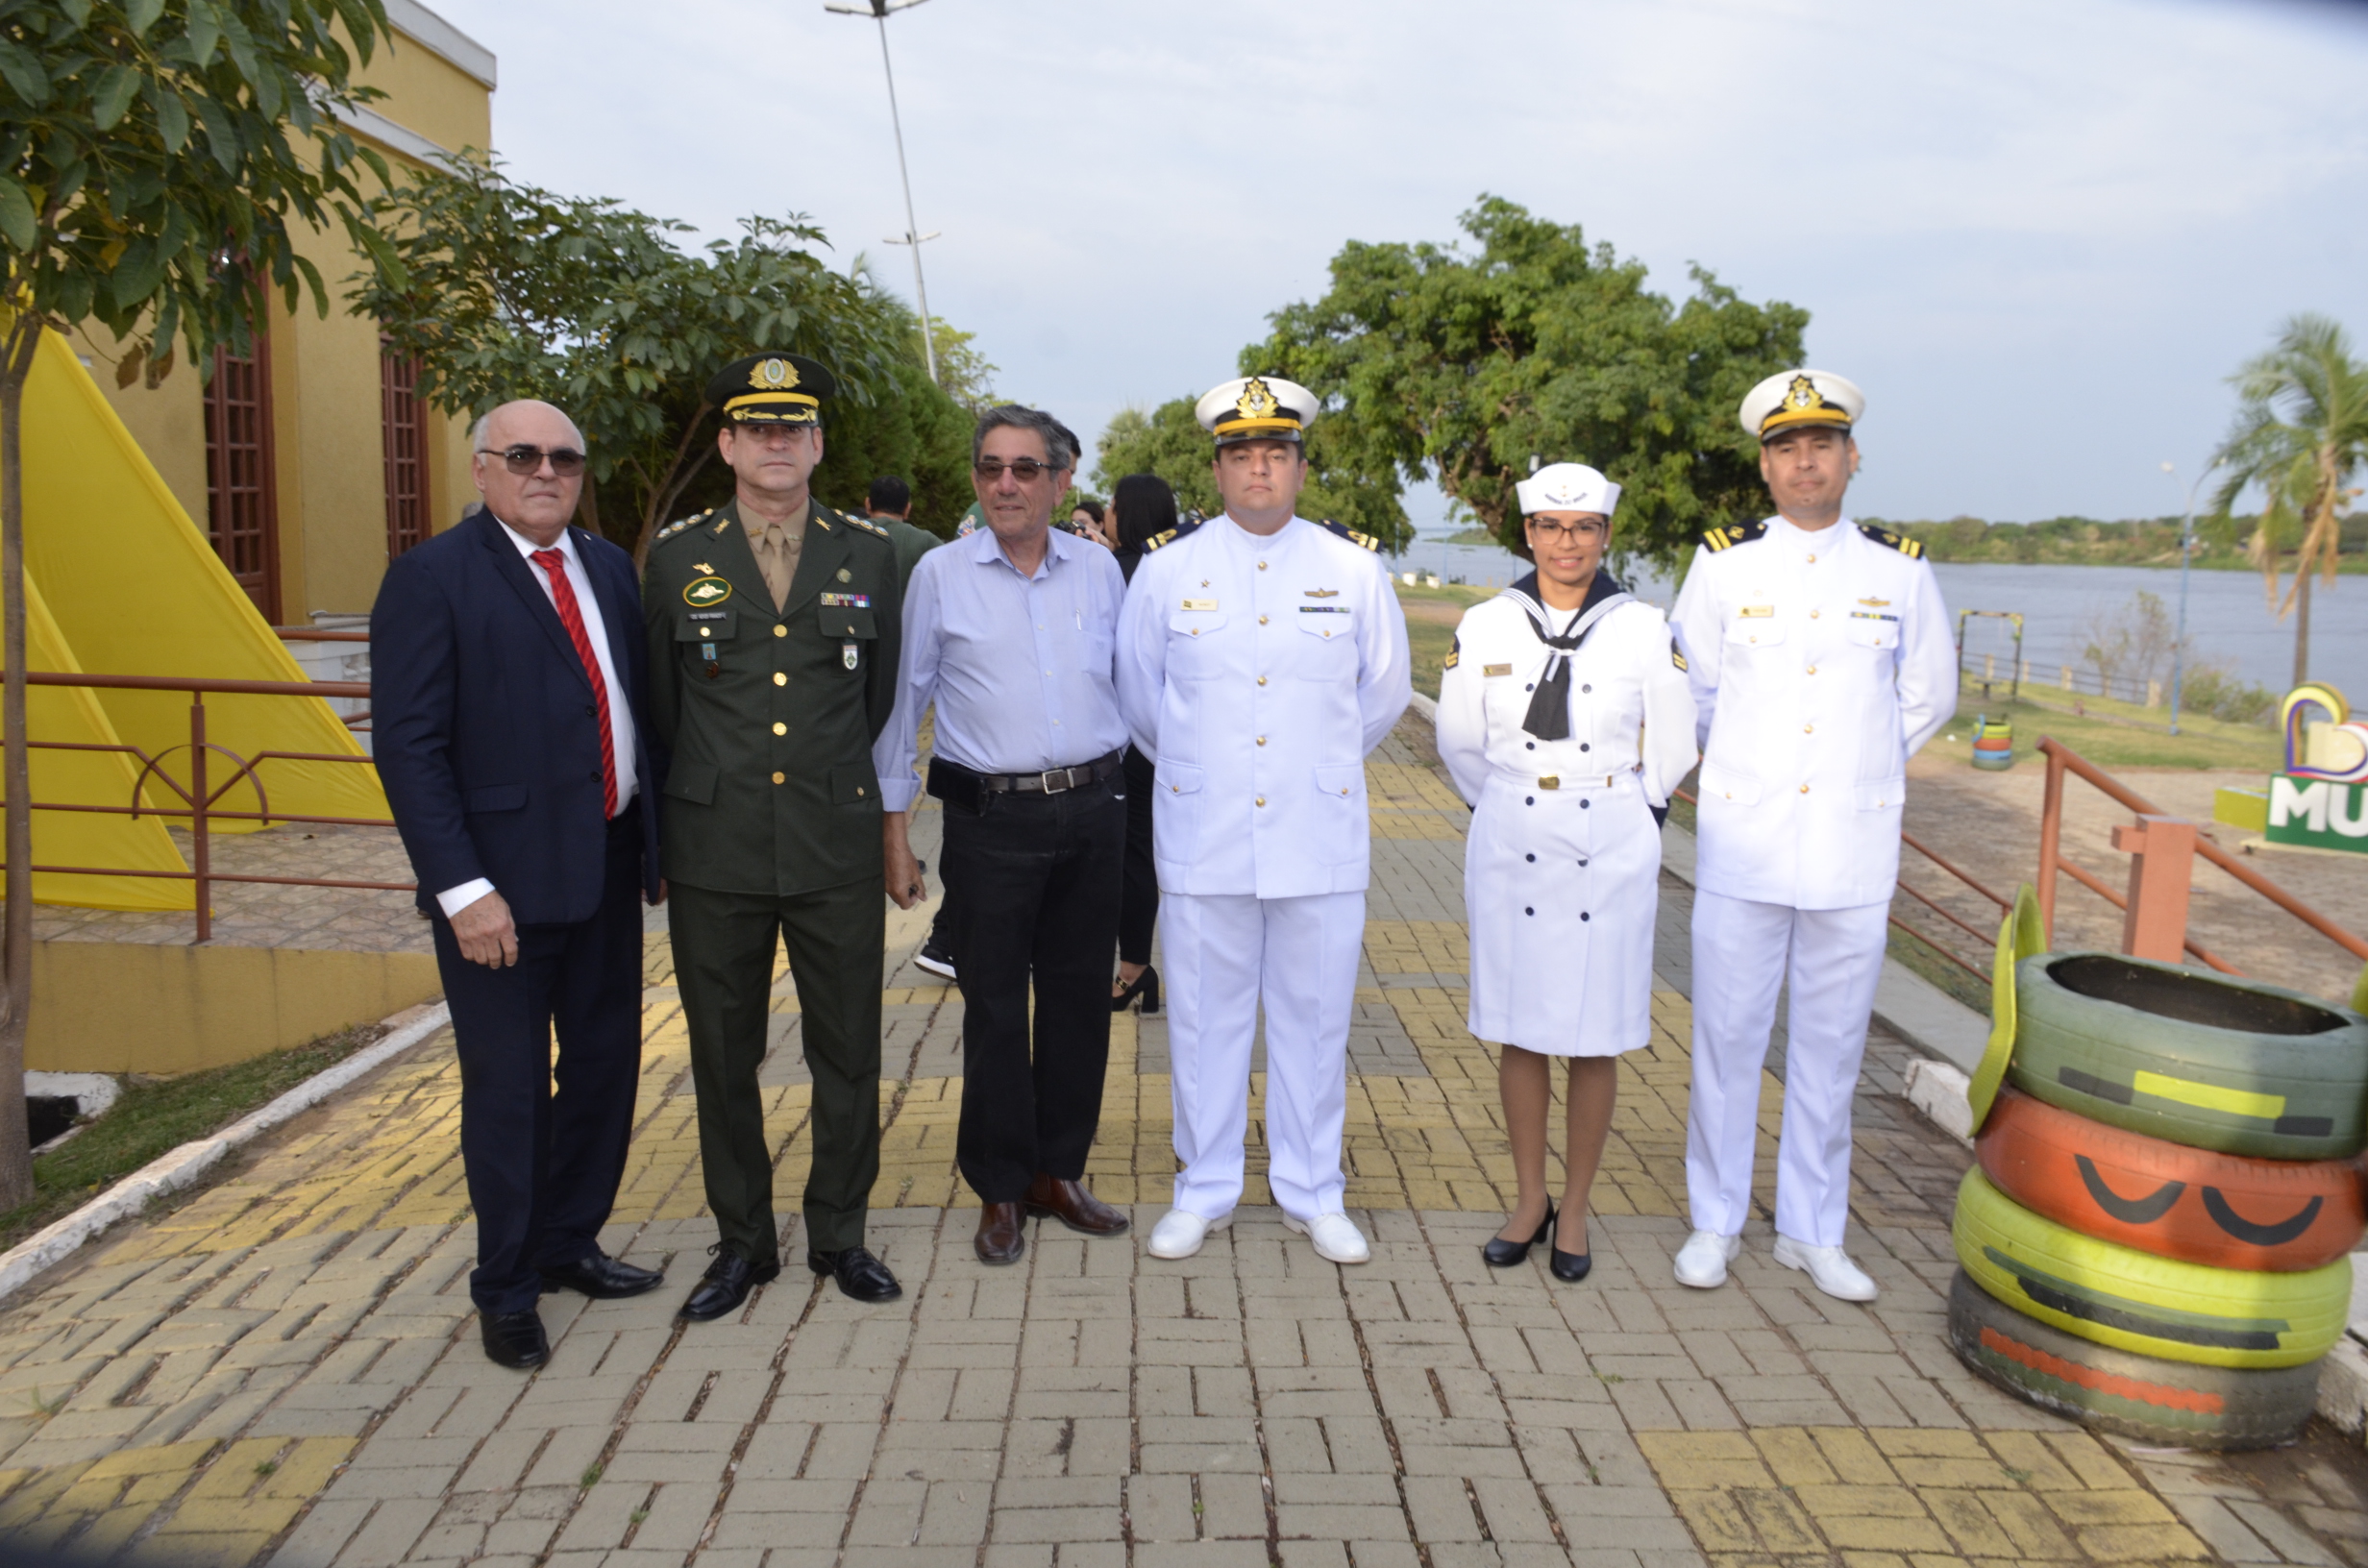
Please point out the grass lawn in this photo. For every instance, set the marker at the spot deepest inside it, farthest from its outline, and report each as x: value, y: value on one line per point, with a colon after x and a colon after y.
x: 155, y: 1117
x: 2110, y: 734
x: 1431, y: 617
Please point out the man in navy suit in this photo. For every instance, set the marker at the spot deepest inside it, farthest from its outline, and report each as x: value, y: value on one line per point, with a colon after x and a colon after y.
x: 509, y: 704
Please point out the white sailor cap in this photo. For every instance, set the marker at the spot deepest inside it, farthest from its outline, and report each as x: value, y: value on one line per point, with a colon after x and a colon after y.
x: 1567, y: 487
x: 1257, y: 409
x: 1792, y: 399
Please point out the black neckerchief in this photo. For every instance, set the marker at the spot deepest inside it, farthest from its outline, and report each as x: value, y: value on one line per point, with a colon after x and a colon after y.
x: 1549, y: 709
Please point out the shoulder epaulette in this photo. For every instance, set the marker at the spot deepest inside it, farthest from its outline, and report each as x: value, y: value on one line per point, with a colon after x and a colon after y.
x: 1363, y: 541
x: 1169, y: 536
x: 867, y: 525
x: 1455, y: 652
x: 1733, y: 534
x: 681, y: 523
x: 1912, y: 548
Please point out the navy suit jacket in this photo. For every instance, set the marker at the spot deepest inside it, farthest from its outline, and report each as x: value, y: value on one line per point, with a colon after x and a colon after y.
x: 483, y: 724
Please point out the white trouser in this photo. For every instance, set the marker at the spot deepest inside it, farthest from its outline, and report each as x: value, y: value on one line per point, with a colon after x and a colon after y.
x: 1225, y: 955
x: 1743, y: 952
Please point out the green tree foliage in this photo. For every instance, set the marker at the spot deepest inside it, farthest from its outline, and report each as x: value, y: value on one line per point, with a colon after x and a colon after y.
x: 504, y: 290
x: 152, y: 153
x: 1464, y: 361
x: 914, y: 430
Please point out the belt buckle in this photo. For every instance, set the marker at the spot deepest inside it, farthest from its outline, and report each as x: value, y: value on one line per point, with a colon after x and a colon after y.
x: 1043, y: 780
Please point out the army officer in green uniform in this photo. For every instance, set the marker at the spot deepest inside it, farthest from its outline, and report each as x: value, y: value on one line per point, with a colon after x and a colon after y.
x: 773, y: 633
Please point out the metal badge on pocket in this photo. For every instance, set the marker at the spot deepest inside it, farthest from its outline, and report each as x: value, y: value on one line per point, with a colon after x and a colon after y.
x: 847, y: 655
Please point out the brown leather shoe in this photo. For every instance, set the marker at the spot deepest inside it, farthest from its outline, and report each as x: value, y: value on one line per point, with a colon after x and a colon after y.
x: 1003, y: 1233
x: 1069, y: 1203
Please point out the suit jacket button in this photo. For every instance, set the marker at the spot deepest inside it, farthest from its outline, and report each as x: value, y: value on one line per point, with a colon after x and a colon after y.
x: 779, y: 777
x: 591, y: 712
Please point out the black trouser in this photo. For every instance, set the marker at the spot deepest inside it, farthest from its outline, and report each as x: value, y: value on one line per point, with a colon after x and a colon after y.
x: 724, y: 945
x: 543, y: 1165
x: 1039, y: 875
x: 1138, y: 904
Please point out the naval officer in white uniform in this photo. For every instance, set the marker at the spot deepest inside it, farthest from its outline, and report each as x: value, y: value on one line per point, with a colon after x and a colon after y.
x: 1260, y: 658
x: 1821, y: 659
x: 1564, y: 719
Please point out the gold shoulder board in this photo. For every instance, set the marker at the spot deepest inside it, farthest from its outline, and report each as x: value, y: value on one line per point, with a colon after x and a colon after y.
x: 1167, y: 537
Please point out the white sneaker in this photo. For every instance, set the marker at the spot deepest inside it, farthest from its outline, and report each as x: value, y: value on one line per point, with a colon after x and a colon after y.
x: 1828, y: 1269
x: 1336, y: 1235
x: 1179, y: 1234
x: 1702, y: 1262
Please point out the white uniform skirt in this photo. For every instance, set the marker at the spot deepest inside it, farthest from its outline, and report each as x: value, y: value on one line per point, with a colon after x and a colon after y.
x: 1560, y: 890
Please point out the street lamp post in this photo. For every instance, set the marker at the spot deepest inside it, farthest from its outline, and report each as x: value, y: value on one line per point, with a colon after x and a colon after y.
x: 880, y: 11
x: 2186, y: 549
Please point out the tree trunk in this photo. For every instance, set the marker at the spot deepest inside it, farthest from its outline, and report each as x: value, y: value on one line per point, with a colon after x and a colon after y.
x: 23, y: 339
x: 2301, y: 622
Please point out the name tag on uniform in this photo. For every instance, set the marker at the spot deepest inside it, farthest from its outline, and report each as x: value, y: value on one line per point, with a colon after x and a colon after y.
x: 1748, y: 611
x: 1496, y: 670
x: 1200, y: 603
x: 846, y: 601
x: 1323, y: 609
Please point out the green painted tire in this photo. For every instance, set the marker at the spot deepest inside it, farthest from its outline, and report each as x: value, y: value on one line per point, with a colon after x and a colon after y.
x: 2203, y: 1060
x: 2172, y: 1403
x: 2114, y: 1295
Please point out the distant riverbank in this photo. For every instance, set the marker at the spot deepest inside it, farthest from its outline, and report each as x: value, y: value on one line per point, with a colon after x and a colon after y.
x: 2063, y: 542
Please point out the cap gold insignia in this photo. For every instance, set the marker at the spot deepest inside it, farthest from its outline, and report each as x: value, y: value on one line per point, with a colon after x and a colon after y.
x: 773, y: 374
x: 707, y: 591
x: 1256, y: 402
x: 1803, y: 393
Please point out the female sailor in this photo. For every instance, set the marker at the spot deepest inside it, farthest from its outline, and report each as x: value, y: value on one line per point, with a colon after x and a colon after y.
x: 1564, y: 719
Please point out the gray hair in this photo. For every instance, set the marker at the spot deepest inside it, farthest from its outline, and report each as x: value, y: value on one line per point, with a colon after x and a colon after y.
x: 485, y: 424
x: 1060, y: 441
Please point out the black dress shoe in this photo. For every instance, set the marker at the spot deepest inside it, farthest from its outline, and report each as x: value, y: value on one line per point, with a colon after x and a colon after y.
x: 602, y: 1278
x: 860, y: 1275
x: 725, y: 1286
x: 1570, y: 1268
x: 515, y: 1339
x: 1501, y: 1253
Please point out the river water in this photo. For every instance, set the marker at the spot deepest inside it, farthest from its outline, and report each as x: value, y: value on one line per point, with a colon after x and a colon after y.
x: 2228, y: 620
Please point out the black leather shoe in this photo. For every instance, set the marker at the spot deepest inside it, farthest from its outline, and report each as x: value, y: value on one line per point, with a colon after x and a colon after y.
x: 1003, y: 1233
x: 725, y: 1286
x: 1501, y: 1253
x: 860, y: 1275
x: 602, y: 1278
x: 515, y: 1339
x: 1570, y: 1268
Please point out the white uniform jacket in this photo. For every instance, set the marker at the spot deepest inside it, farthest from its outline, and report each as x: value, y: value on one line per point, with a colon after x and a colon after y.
x: 1257, y: 672
x: 1820, y: 662
x: 1562, y: 870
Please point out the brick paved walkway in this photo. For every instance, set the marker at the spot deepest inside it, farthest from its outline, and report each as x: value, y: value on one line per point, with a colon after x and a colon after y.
x: 284, y: 1369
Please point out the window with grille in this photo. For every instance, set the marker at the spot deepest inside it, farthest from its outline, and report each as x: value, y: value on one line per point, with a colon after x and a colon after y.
x: 403, y: 425
x: 242, y: 519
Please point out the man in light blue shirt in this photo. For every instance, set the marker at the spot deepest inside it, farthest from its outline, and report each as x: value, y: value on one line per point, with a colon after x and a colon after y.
x: 1011, y: 630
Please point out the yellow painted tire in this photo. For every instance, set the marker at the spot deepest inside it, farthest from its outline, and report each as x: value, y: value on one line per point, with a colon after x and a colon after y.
x: 2115, y: 1295
x: 2204, y: 1060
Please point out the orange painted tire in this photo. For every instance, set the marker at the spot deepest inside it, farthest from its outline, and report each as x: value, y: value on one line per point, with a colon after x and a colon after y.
x: 2277, y: 1217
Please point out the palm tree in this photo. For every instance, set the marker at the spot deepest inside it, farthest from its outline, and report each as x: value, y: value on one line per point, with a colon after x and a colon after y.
x: 2300, y: 434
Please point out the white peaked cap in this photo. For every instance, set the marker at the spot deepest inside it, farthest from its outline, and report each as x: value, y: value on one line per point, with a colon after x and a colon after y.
x: 1256, y: 408
x: 1794, y: 398
x: 1567, y: 487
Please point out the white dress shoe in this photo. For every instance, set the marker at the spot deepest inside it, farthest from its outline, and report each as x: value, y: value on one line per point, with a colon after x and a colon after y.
x: 1179, y: 1235
x: 1702, y: 1262
x: 1828, y: 1269
x: 1336, y: 1235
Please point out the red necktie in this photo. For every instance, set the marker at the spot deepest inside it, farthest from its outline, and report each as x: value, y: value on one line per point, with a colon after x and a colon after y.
x: 564, y: 596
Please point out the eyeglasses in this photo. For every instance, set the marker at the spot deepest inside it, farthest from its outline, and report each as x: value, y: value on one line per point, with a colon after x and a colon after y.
x: 1574, y: 533
x: 565, y: 461
x: 1026, y: 470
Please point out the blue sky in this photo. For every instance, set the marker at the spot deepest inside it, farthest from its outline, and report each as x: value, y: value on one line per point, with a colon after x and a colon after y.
x: 2040, y: 233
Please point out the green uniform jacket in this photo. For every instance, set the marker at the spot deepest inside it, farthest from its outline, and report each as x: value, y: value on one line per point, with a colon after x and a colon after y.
x: 912, y: 542
x: 768, y: 720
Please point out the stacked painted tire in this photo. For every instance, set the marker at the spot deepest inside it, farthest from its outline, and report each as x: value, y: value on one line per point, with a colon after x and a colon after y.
x: 2154, y: 1238
x: 1993, y: 743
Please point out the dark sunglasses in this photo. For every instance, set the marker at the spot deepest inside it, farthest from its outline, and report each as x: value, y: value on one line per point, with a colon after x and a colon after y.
x: 565, y: 461
x: 1026, y: 470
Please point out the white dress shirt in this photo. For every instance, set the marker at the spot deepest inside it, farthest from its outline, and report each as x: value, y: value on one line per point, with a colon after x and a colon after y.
x: 1018, y: 666
x: 453, y: 900
x: 1258, y: 671
x: 1820, y: 661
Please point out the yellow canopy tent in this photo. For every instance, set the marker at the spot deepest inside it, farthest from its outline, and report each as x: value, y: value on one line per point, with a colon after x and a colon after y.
x: 132, y: 587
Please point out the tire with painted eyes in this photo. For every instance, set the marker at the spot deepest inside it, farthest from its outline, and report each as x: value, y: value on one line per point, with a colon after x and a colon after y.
x: 2221, y: 1210
x: 2171, y: 1403
x: 2114, y: 1295
x: 2203, y: 1060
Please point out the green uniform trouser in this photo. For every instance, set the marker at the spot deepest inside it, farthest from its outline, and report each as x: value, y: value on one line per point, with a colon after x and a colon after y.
x: 724, y: 946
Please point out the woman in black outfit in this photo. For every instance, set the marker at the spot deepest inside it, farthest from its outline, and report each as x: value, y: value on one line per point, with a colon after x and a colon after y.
x: 1141, y: 507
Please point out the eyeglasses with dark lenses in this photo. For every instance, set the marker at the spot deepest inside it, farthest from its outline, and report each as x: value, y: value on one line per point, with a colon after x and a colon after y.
x: 1026, y: 470
x: 565, y: 461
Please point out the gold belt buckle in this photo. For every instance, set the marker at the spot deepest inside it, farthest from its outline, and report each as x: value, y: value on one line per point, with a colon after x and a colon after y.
x: 1552, y: 781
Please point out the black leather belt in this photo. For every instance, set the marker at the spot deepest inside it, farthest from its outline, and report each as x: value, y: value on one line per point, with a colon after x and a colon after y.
x: 951, y: 781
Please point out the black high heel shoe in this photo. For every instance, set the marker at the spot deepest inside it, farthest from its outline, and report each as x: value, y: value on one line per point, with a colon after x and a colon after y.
x: 1145, y: 984
x: 1502, y: 1254
x: 1570, y: 1267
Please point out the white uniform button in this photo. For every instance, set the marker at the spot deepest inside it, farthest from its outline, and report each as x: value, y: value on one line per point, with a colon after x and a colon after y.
x: 1813, y: 615
x: 1812, y: 560
x: 1262, y: 680
x: 1812, y: 668
x: 1261, y: 740
x: 1262, y: 620
x: 780, y: 679
x: 1262, y: 566
x: 1809, y: 729
x: 1804, y: 789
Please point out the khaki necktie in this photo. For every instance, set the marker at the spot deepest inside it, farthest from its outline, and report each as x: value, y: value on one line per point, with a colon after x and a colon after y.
x: 776, y: 546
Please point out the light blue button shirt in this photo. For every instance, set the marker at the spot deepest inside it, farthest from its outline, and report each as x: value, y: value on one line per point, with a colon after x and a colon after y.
x: 1020, y: 667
